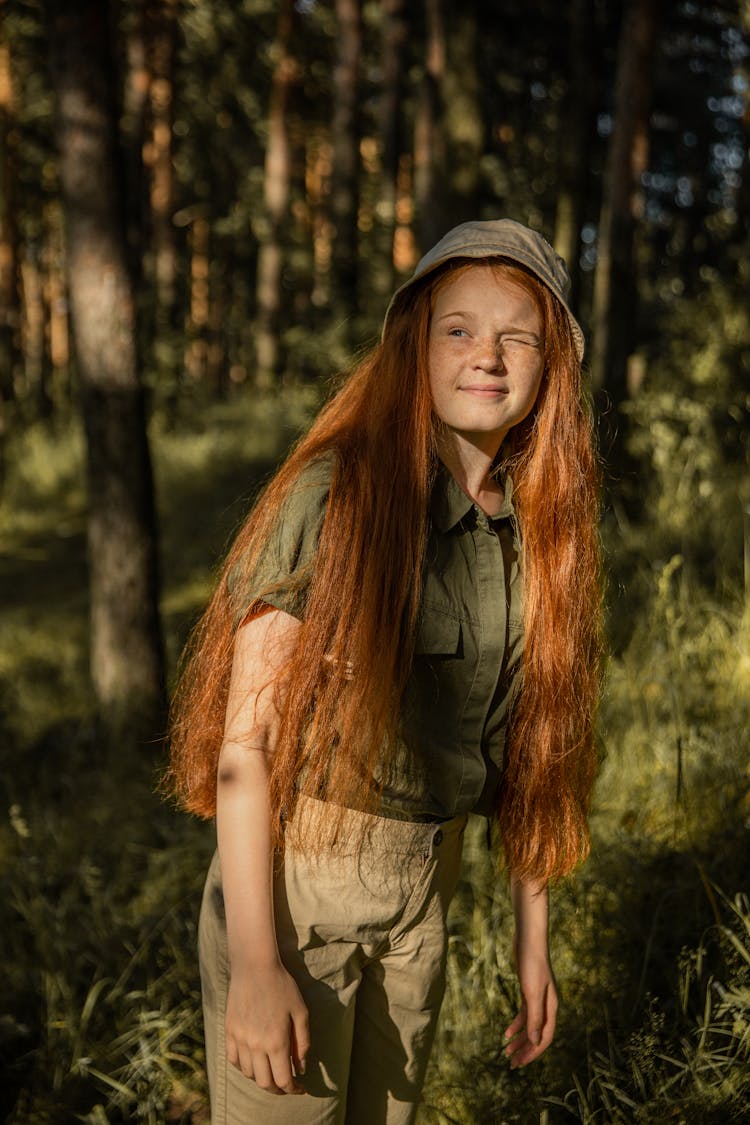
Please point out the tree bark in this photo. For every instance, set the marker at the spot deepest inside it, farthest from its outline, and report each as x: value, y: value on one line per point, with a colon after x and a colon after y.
x: 574, y: 148
x: 10, y: 305
x: 742, y: 205
x: 133, y: 127
x: 429, y: 145
x: 36, y: 359
x: 196, y: 328
x: 276, y: 188
x: 318, y: 160
x: 55, y: 299
x: 127, y: 662
x: 161, y: 26
x: 463, y: 123
x: 615, y: 289
x: 345, y: 170
x: 395, y: 29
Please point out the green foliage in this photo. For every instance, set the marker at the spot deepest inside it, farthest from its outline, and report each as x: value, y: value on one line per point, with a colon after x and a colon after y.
x: 652, y: 959
x: 101, y: 882
x: 651, y: 956
x: 684, y: 1059
x: 693, y: 1067
x: 101, y: 978
x: 689, y: 424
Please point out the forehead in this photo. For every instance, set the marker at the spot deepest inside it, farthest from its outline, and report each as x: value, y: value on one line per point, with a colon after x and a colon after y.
x: 484, y: 290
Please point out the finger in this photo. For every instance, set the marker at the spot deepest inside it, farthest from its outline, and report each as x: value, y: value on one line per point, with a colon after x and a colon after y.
x: 523, y: 1058
x: 550, y: 1023
x: 245, y: 1061
x: 517, y: 1025
x: 281, y: 1073
x: 300, y: 1040
x: 527, y: 1054
x: 523, y: 1050
x: 239, y: 1057
x: 263, y: 1074
x: 535, y: 1018
x: 517, y: 1047
x: 233, y: 1056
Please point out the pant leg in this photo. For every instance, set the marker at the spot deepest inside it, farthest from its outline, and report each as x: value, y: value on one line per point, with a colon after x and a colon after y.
x: 237, y: 1100
x: 334, y: 913
x: 379, y: 901
x: 399, y: 998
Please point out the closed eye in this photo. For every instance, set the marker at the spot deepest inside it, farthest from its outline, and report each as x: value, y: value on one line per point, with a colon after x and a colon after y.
x: 527, y: 343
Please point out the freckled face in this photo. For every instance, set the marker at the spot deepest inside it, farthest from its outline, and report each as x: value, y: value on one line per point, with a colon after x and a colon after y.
x: 485, y: 355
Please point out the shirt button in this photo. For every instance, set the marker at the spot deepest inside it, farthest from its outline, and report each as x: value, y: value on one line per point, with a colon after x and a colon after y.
x: 437, y: 839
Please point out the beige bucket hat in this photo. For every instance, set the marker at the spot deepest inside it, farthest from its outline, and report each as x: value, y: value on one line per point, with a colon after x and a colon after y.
x: 499, y: 238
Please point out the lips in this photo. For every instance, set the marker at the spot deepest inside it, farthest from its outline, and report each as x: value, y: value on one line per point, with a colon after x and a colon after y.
x: 484, y: 391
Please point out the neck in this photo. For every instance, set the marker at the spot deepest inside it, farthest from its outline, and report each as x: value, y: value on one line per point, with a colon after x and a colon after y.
x: 471, y: 466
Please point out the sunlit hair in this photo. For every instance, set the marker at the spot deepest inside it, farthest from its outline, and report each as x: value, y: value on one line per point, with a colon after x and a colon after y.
x: 339, y: 711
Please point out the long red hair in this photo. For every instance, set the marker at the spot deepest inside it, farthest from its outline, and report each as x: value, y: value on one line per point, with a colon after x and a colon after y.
x: 350, y: 667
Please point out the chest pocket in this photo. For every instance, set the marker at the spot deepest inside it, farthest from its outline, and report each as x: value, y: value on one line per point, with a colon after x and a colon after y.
x: 438, y: 634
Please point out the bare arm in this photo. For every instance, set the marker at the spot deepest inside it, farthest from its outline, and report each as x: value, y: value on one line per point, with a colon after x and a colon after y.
x: 266, y: 1021
x: 532, y: 1030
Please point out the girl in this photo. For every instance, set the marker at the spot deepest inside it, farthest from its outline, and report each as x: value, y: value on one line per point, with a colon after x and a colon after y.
x: 406, y: 630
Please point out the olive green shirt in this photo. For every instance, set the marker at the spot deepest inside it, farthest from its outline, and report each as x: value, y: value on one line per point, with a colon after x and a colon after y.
x: 468, y: 649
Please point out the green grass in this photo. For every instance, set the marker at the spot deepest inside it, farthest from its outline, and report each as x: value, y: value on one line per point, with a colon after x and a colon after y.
x: 651, y: 939
x: 100, y: 882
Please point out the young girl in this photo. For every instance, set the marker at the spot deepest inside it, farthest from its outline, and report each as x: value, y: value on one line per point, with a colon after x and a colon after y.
x: 405, y: 631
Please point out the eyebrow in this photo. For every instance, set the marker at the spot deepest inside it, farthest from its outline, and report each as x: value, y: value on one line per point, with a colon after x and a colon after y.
x: 506, y: 331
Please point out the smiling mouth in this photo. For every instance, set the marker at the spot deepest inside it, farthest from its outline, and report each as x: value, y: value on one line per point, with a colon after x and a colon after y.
x: 485, y: 392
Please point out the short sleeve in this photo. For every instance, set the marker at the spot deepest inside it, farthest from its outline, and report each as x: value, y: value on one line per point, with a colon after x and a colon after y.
x: 282, y: 574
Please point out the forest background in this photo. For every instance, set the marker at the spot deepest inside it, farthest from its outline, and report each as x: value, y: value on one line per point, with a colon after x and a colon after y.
x: 203, y: 208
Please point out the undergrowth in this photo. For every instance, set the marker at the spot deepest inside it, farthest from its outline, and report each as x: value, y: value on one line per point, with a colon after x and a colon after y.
x: 100, y: 882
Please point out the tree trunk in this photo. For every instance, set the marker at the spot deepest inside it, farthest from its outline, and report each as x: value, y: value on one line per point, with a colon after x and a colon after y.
x: 276, y: 181
x: 36, y: 359
x: 345, y: 171
x: 743, y: 198
x: 218, y: 317
x: 127, y: 663
x: 133, y: 123
x: 56, y: 305
x: 395, y: 30
x: 161, y: 23
x: 319, y: 156
x: 10, y: 305
x: 615, y: 288
x: 196, y: 333
x: 574, y: 151
x: 429, y: 145
x: 463, y: 123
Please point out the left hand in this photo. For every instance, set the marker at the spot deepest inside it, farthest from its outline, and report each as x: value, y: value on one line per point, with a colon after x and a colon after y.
x: 531, y: 1032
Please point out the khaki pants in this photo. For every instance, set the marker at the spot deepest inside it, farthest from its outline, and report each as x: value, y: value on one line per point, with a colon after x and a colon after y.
x: 362, y: 931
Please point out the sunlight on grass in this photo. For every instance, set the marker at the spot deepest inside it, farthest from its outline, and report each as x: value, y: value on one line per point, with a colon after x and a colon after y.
x: 43, y: 671
x: 102, y: 881
x: 44, y: 490
x: 646, y: 949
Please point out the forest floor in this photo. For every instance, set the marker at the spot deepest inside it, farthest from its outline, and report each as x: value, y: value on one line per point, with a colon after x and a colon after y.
x: 101, y: 880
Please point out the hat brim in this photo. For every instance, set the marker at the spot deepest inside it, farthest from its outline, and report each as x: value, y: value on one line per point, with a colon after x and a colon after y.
x: 466, y: 248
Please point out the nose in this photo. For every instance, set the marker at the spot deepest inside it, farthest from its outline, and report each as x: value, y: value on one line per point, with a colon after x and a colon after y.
x: 489, y: 355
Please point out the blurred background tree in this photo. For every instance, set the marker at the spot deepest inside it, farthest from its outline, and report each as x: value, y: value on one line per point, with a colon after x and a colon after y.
x: 127, y: 659
x: 267, y: 172
x: 283, y: 164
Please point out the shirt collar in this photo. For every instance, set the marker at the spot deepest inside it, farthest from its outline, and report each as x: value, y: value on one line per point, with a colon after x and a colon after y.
x: 450, y: 504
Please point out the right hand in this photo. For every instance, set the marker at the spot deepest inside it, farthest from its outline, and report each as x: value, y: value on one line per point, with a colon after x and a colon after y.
x: 267, y: 1028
